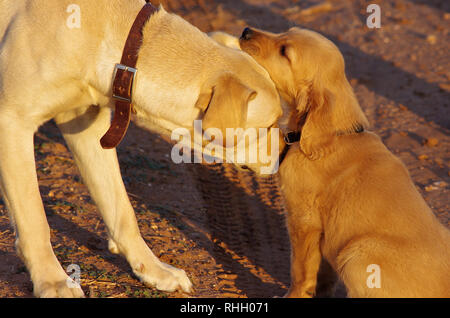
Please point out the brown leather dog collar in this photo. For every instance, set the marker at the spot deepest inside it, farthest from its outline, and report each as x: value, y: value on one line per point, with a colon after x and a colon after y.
x: 124, y: 78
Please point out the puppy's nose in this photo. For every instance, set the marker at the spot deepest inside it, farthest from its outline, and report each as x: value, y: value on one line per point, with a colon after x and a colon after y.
x: 247, y: 34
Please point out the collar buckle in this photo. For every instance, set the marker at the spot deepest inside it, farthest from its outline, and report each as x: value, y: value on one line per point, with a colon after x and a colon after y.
x: 292, y: 137
x: 124, y: 93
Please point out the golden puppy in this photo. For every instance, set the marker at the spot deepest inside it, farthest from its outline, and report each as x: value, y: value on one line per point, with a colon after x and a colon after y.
x: 350, y: 200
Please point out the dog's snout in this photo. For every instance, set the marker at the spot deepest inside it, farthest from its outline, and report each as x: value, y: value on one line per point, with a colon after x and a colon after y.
x: 247, y: 34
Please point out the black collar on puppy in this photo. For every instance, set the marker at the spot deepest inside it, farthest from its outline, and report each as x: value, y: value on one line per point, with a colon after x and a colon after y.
x: 290, y: 138
x: 295, y: 136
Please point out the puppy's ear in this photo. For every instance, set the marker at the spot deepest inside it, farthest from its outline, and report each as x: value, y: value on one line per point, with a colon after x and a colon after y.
x: 331, y: 111
x: 317, y: 133
x: 228, y: 103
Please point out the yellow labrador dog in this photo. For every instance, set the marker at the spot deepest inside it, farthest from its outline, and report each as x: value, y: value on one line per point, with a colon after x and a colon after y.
x: 56, y: 60
x: 350, y: 200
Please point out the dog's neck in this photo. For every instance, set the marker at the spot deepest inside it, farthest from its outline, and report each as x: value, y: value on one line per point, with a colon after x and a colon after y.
x: 124, y: 78
x: 110, y: 46
x: 300, y: 120
x: 294, y: 136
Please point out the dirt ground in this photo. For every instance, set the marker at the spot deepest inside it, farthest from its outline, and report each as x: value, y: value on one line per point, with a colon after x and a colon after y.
x: 401, y: 75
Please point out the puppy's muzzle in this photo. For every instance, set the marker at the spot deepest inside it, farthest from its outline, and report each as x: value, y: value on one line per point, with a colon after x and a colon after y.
x: 247, y: 34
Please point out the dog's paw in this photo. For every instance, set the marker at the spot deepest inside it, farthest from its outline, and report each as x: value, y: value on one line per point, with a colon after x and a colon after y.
x: 149, y: 269
x: 164, y: 277
x: 295, y: 293
x: 62, y: 288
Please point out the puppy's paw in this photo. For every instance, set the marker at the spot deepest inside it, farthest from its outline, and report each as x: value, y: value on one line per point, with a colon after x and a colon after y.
x: 164, y: 277
x: 299, y: 294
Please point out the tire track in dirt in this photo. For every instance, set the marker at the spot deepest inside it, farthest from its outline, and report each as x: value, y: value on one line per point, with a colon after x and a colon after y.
x: 244, y: 213
x: 245, y: 216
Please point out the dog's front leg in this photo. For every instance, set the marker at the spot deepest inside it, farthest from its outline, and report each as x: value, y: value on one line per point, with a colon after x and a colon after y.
x: 20, y: 190
x: 305, y: 234
x: 82, y: 130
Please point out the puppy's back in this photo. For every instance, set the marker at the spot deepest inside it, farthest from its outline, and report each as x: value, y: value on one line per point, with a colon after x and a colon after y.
x: 388, y: 224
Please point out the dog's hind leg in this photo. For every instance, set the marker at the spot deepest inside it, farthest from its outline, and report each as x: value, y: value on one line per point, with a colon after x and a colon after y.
x: 20, y: 190
x: 82, y: 130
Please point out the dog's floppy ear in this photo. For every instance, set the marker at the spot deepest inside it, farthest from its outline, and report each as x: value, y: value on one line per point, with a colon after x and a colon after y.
x: 315, y: 101
x: 225, y: 103
x: 331, y: 111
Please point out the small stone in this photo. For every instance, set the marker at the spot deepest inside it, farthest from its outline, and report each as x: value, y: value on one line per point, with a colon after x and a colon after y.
x: 439, y: 161
x: 440, y: 184
x: 430, y: 188
x: 432, y: 39
x: 423, y: 157
x: 431, y: 142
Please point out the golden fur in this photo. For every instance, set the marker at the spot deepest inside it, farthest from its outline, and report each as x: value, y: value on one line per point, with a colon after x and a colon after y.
x: 351, y: 202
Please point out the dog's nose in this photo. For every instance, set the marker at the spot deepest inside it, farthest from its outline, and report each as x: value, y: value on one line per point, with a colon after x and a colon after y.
x: 247, y: 34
